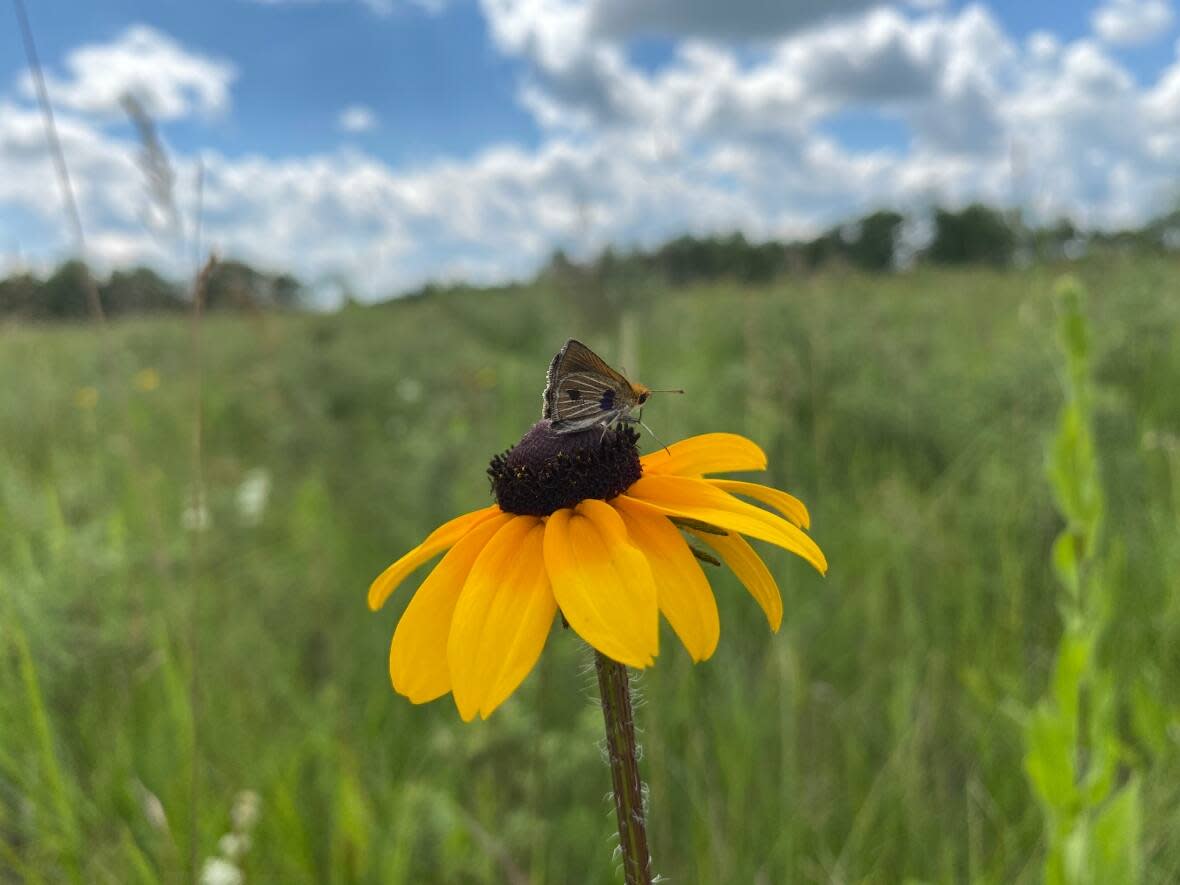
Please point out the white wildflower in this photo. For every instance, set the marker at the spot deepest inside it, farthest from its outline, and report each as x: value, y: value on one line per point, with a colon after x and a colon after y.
x: 253, y: 493
x: 218, y: 871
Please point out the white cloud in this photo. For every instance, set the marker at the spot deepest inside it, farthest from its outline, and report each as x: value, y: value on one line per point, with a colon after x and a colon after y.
x: 380, y: 8
x: 103, y: 172
x: 708, y: 18
x: 169, y: 80
x: 1132, y: 22
x: 357, y: 118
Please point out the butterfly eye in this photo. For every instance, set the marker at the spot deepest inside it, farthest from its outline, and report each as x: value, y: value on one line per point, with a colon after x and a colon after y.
x: 642, y: 398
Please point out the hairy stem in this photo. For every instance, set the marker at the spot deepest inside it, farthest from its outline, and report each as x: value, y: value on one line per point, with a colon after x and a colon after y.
x: 615, y: 691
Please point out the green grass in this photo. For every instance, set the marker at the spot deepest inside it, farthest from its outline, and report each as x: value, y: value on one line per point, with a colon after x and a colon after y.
x: 879, y: 737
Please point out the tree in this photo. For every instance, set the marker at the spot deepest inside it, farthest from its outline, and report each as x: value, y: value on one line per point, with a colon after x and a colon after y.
x: 824, y: 249
x: 20, y: 296
x: 975, y: 235
x: 235, y: 285
x: 140, y: 290
x: 64, y: 294
x: 875, y: 243
x: 286, y: 291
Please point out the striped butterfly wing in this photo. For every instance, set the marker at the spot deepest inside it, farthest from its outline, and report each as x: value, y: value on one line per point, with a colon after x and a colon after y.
x: 582, y: 400
x: 581, y: 390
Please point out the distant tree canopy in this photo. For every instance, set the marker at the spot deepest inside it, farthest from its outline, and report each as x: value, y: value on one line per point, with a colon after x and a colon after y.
x: 20, y: 295
x: 975, y: 235
x: 687, y: 259
x: 232, y: 285
x: 64, y: 293
x: 140, y: 290
x: 876, y: 243
x: 235, y: 285
x: 870, y: 243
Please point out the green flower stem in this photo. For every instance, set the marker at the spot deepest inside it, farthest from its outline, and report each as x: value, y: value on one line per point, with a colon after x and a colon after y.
x: 615, y: 691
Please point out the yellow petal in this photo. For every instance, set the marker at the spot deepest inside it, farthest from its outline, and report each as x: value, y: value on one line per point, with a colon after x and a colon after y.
x: 697, y: 499
x: 788, y: 505
x: 707, y: 453
x: 682, y: 590
x: 745, y: 562
x: 603, y: 583
x: 502, y: 619
x: 418, y: 653
x: 443, y: 537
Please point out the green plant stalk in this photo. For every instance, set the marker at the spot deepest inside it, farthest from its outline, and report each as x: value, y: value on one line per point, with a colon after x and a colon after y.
x: 615, y: 691
x: 1092, y: 825
x: 39, y: 714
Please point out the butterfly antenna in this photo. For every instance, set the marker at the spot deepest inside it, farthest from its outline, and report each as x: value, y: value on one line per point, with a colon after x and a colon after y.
x: 639, y: 421
x: 678, y: 390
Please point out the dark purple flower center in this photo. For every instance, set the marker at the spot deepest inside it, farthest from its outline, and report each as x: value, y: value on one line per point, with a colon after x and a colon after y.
x: 547, y: 471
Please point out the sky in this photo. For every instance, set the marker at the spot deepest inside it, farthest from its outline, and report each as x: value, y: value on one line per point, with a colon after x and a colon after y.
x: 379, y: 144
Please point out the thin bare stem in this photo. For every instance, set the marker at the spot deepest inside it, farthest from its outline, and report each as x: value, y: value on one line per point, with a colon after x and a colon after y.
x: 194, y: 615
x: 93, y: 299
x: 615, y: 690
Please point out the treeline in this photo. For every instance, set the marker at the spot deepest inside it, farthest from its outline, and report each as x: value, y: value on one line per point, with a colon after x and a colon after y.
x: 230, y: 285
x: 879, y: 242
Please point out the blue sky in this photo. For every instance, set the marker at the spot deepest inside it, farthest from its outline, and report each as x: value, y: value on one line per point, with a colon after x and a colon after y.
x: 434, y: 79
x: 386, y: 142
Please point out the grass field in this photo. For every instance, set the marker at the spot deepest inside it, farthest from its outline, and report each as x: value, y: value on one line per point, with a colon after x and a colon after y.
x: 160, y: 654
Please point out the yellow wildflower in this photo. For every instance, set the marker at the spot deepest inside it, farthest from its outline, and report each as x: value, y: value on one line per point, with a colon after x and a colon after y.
x: 585, y: 526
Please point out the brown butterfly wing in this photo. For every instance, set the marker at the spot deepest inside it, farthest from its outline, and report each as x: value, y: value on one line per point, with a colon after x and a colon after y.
x: 582, y: 390
x: 582, y: 398
x: 577, y: 357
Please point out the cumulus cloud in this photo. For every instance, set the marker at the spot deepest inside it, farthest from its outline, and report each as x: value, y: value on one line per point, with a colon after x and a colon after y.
x: 357, y: 118
x: 103, y: 171
x: 168, y: 79
x: 707, y: 18
x: 1132, y: 22
x: 380, y: 8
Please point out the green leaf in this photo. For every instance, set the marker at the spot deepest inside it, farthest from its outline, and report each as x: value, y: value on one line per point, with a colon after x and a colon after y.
x: 1049, y: 760
x: 1065, y: 561
x: 353, y: 824
x: 1114, y: 852
x: 1076, y: 857
x: 1073, y: 662
x: 1149, y: 717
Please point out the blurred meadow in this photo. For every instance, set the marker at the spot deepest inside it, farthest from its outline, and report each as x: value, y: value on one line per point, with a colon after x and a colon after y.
x: 185, y: 628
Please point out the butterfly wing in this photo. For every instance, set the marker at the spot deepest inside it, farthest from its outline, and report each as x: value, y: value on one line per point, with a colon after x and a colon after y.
x: 577, y: 357
x: 582, y: 399
x: 581, y: 390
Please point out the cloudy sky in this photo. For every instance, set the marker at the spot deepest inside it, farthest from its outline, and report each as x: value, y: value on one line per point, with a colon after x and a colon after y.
x: 387, y: 142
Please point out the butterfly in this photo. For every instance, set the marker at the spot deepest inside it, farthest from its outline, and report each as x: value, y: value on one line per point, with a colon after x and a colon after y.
x: 582, y: 391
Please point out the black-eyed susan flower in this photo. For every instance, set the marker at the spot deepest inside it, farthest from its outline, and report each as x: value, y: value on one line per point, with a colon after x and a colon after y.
x: 584, y: 526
